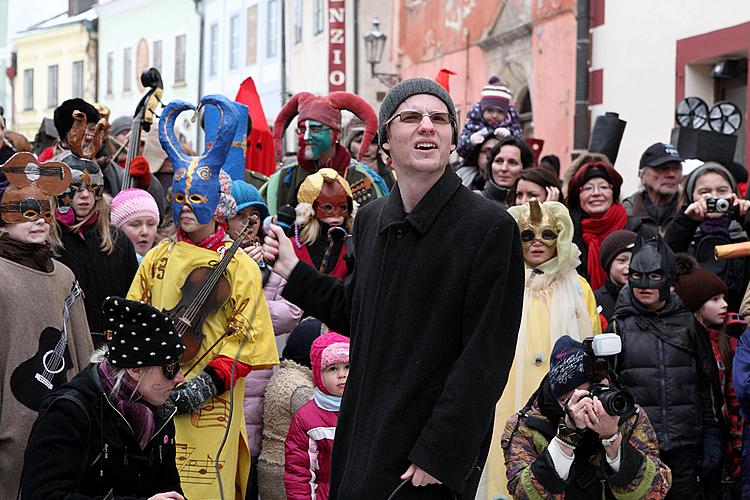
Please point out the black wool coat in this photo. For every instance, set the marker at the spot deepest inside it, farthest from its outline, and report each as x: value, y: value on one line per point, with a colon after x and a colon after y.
x: 75, y: 453
x: 432, y: 308
x: 100, y: 275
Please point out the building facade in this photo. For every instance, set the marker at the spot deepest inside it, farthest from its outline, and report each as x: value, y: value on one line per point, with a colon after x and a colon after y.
x: 55, y: 61
x: 137, y: 34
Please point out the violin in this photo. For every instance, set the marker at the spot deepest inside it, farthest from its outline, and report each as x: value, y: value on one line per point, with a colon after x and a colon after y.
x: 205, y: 290
x: 142, y: 119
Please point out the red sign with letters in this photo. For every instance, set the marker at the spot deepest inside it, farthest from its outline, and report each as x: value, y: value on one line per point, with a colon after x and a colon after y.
x: 336, y: 45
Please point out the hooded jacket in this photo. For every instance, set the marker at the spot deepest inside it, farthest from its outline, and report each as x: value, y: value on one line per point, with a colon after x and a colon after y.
x: 664, y: 365
x: 309, y: 442
x: 82, y: 447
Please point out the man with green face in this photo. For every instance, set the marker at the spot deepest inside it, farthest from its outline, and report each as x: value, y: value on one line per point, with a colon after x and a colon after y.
x: 318, y: 134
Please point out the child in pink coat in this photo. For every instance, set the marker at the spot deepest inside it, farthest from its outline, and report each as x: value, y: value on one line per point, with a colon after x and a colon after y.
x: 307, y: 470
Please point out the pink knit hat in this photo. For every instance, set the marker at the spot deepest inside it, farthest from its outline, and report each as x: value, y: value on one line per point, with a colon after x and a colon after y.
x: 327, y: 350
x: 132, y: 203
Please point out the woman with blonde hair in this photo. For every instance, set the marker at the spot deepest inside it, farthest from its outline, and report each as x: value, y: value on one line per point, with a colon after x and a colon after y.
x: 324, y: 219
x: 102, y: 258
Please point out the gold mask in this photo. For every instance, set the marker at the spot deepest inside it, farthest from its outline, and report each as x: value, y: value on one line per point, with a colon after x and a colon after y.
x: 538, y: 225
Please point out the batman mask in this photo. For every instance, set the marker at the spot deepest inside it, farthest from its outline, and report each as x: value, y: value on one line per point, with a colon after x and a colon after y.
x: 652, y: 266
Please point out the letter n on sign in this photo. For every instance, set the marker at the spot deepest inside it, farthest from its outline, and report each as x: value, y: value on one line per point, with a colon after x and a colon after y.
x: 336, y: 45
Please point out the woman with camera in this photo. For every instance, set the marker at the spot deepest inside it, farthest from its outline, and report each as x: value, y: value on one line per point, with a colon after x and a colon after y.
x: 566, y: 443
x: 713, y: 214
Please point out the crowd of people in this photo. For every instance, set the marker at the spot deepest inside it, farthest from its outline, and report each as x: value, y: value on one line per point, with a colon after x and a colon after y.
x: 508, y: 322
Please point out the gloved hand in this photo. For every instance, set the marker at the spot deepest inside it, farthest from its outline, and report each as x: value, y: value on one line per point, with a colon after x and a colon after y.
x: 189, y: 396
x: 141, y: 172
x: 478, y: 137
x: 711, y: 450
x: 501, y: 132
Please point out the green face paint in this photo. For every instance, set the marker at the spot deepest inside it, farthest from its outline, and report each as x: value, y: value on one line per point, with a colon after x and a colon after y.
x: 315, y: 138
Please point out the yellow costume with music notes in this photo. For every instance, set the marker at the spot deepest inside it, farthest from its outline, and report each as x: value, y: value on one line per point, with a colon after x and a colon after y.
x: 198, y: 435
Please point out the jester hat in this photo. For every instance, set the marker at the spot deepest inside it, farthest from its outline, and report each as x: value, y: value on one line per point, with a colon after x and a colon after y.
x: 30, y: 184
x: 235, y: 162
x: 196, y: 178
x: 326, y: 110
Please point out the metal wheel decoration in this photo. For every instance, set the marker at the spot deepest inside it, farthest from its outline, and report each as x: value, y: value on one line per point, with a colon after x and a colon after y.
x: 692, y: 112
x: 725, y: 118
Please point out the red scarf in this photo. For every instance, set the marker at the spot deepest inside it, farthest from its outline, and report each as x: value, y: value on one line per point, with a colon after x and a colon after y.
x: 594, y: 232
x: 214, y: 241
x: 68, y: 219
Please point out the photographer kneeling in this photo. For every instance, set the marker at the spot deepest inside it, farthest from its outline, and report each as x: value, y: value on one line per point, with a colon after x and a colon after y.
x: 579, y: 438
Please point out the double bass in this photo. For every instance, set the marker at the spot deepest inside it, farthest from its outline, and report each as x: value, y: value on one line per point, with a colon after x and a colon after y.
x: 142, y: 119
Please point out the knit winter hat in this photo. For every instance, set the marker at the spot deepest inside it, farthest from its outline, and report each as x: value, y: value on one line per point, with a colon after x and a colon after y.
x: 141, y: 336
x: 696, y: 285
x: 121, y: 124
x: 130, y: 204
x: 405, y: 89
x: 613, y: 245
x: 495, y: 95
x: 566, y: 370
x: 326, y: 350
x: 300, y: 341
x: 63, y: 116
x: 247, y: 195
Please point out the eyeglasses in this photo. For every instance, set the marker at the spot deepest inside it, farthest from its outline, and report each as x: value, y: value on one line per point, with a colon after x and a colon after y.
x: 602, y: 188
x: 412, y: 117
x: 313, y: 129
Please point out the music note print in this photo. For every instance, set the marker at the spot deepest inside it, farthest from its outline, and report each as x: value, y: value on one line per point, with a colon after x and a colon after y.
x: 215, y: 413
x: 198, y: 471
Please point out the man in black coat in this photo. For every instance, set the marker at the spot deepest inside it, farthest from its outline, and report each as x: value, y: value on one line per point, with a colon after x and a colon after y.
x: 432, y: 308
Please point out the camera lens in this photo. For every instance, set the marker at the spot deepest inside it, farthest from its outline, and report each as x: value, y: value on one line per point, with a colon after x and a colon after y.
x: 722, y: 205
x: 615, y: 402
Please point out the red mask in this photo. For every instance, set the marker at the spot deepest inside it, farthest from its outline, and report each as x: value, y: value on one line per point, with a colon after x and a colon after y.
x: 331, y: 202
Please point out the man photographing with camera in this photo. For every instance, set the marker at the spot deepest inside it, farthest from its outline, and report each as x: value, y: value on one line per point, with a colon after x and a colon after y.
x: 578, y: 437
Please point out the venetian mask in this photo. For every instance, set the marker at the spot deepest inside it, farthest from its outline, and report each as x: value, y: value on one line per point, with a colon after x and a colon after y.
x: 27, y: 198
x: 86, y: 174
x: 538, y: 225
x: 331, y: 202
x: 196, y: 178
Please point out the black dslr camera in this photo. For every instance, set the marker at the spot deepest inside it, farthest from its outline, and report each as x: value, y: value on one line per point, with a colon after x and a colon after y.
x: 597, y: 353
x: 719, y: 205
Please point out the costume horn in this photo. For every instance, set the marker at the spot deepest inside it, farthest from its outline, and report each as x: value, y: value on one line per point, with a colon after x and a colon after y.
x: 535, y: 211
x: 285, y: 116
x: 361, y: 108
x: 78, y: 132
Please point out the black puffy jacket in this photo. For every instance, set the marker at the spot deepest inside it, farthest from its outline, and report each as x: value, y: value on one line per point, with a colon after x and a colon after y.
x: 82, y: 447
x: 664, y: 365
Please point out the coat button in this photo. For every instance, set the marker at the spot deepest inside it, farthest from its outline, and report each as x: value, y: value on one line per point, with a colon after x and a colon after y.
x: 399, y: 233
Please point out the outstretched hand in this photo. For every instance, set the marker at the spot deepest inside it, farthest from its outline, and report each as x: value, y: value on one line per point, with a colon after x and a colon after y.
x: 277, y: 248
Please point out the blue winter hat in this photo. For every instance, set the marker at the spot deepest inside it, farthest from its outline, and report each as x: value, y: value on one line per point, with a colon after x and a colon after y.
x: 566, y: 371
x: 247, y: 195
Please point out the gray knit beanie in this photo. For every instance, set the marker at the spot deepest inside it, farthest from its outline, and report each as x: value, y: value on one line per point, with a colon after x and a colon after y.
x: 405, y: 89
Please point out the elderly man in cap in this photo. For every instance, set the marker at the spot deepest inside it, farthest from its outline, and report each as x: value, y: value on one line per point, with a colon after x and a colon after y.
x: 651, y: 209
x: 432, y: 308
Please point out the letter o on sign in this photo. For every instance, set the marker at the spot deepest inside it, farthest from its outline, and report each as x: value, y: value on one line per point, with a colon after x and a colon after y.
x: 337, y: 77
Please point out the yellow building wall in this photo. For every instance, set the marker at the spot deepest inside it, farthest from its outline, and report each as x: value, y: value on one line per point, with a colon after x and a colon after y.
x: 61, y: 46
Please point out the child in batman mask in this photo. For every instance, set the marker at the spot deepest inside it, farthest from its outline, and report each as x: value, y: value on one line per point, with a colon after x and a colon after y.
x: 666, y: 366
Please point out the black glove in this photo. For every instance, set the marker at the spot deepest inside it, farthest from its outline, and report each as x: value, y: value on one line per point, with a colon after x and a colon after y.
x: 711, y: 450
x: 189, y: 396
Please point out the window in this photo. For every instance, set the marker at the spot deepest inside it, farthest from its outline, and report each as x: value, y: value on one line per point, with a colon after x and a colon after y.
x: 234, y: 41
x: 297, y: 21
x: 156, y: 63
x: 251, y: 36
x: 52, y: 82
x: 78, y: 79
x: 179, y: 59
x: 272, y: 30
x: 319, y: 17
x: 213, y: 49
x: 28, y: 89
x: 110, y: 70
x: 127, y: 69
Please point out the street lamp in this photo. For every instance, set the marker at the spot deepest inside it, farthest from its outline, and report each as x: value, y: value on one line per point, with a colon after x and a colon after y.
x: 374, y: 46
